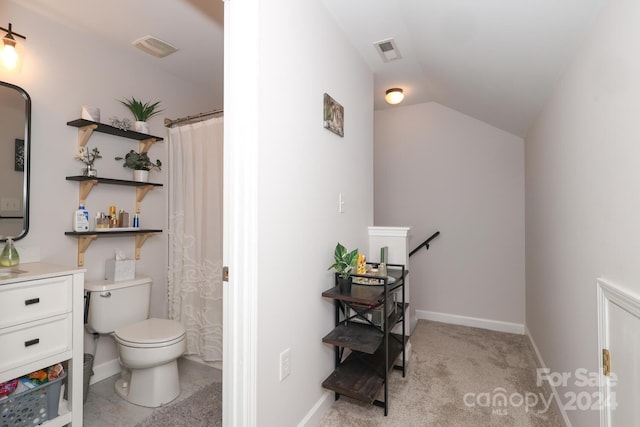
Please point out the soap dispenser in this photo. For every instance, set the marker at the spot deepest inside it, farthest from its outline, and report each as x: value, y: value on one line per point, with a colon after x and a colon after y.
x: 9, y: 256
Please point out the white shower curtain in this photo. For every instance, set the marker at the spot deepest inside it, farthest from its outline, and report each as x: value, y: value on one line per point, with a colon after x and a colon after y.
x: 195, y: 235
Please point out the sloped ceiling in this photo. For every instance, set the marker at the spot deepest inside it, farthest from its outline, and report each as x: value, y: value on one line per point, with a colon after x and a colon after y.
x: 495, y: 60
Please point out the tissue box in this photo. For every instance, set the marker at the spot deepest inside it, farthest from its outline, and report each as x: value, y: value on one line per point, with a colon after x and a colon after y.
x: 120, y: 269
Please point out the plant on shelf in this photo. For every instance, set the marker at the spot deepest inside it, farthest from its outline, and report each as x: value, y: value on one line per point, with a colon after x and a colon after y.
x: 88, y: 158
x: 344, y: 261
x: 139, y: 161
x: 141, y: 111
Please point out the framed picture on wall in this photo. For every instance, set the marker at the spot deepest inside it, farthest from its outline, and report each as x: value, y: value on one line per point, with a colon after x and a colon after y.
x: 19, y: 155
x: 333, y: 115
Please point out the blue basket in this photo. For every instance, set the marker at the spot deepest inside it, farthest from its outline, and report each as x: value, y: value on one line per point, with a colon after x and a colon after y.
x: 32, y: 407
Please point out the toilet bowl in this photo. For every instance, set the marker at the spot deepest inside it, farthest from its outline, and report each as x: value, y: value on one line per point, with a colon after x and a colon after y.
x: 148, y: 348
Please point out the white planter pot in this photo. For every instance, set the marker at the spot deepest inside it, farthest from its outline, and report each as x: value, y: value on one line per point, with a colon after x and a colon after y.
x: 141, y: 176
x: 142, y: 127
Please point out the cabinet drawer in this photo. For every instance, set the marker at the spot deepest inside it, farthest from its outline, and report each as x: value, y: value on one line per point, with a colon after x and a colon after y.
x: 26, y: 343
x: 35, y: 300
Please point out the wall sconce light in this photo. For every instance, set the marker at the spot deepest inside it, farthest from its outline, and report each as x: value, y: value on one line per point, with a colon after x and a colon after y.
x: 11, y: 53
x: 394, y: 96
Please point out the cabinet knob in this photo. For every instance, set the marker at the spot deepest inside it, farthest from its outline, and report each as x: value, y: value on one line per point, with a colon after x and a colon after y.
x: 31, y: 301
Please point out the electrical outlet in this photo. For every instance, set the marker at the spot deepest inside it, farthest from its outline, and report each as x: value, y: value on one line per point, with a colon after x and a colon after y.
x: 285, y: 364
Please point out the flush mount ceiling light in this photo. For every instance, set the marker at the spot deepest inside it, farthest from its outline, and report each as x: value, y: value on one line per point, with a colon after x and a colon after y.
x: 394, y: 96
x: 154, y: 46
x: 11, y: 53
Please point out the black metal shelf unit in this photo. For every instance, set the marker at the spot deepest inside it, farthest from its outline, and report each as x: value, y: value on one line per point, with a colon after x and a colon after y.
x: 373, y: 348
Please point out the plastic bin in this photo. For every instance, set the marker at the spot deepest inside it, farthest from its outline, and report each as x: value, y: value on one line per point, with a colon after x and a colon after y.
x: 32, y: 407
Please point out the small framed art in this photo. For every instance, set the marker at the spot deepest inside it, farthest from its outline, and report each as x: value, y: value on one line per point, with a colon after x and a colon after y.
x: 333, y: 115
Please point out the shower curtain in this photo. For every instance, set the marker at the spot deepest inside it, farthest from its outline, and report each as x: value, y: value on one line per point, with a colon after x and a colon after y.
x: 195, y: 235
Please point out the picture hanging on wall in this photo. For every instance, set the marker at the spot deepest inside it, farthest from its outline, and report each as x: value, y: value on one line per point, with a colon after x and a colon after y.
x: 333, y: 115
x: 19, y: 155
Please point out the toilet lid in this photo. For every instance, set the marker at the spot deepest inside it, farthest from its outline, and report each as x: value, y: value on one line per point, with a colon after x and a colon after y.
x: 151, y: 331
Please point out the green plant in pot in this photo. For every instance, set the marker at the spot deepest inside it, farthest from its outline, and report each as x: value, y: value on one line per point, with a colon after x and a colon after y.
x: 142, y: 111
x: 140, y: 163
x: 344, y: 263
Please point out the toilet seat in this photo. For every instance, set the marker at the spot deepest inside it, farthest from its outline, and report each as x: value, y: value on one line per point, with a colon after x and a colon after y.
x: 151, y: 332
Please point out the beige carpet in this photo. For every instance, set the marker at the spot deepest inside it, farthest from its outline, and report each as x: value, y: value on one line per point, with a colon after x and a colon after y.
x: 458, y: 376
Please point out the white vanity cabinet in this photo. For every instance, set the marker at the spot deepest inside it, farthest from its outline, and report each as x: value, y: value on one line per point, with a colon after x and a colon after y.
x: 41, y: 324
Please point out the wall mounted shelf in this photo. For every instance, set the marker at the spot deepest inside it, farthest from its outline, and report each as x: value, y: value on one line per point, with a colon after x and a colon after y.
x: 87, y: 127
x: 86, y: 237
x: 87, y: 183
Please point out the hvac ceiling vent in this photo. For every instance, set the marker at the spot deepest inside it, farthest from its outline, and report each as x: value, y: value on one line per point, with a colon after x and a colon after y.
x: 154, y: 46
x: 388, y: 50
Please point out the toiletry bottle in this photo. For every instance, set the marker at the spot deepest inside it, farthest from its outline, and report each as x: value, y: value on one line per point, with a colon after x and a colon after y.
x: 80, y: 220
x: 9, y: 256
x: 113, y: 217
x: 86, y: 212
x: 136, y: 221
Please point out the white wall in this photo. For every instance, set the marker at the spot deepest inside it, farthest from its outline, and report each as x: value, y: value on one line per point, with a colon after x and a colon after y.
x: 582, y: 195
x: 302, y: 169
x: 93, y: 73
x: 439, y: 170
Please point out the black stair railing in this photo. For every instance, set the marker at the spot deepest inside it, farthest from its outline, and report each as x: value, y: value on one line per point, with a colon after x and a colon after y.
x: 425, y: 243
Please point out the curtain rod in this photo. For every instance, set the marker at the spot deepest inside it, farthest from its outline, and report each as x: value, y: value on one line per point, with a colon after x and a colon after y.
x: 168, y: 122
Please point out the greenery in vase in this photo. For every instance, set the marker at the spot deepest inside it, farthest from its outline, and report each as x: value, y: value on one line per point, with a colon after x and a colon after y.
x: 344, y: 261
x: 142, y: 111
x: 139, y: 161
x: 88, y: 157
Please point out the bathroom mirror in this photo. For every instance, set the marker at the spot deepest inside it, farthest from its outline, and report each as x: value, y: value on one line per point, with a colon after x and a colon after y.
x: 15, y: 150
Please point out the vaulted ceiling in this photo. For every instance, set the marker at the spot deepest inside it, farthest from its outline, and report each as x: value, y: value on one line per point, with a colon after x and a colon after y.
x: 495, y: 60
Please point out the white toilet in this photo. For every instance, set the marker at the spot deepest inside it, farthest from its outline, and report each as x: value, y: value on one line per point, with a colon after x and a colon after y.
x: 148, y: 348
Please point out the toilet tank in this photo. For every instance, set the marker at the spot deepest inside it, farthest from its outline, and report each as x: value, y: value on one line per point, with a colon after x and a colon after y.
x: 111, y: 305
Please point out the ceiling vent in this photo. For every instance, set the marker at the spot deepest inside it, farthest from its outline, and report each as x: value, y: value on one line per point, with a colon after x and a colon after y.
x: 388, y: 50
x: 154, y: 46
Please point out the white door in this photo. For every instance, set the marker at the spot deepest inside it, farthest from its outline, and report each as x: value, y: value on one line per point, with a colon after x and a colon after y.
x: 619, y: 319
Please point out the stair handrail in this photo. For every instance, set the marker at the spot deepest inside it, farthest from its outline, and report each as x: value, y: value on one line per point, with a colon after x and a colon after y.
x: 425, y: 243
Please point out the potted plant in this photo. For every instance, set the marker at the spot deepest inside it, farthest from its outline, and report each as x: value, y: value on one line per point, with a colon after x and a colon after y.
x: 88, y: 158
x: 344, y: 262
x: 141, y: 165
x: 142, y: 111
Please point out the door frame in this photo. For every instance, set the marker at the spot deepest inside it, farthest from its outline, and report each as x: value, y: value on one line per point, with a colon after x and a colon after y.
x: 609, y: 294
x: 240, y: 217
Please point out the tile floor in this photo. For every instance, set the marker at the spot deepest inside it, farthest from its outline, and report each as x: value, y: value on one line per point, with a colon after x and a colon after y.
x: 104, y: 408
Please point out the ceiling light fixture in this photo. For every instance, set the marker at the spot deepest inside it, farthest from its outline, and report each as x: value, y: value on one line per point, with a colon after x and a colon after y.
x: 394, y: 96
x: 11, y: 53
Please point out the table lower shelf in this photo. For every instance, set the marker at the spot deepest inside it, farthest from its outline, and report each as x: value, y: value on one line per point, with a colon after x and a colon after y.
x: 362, y: 375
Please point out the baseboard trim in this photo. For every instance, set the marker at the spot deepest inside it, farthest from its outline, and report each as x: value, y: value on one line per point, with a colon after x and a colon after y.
x: 492, y: 325
x: 550, y: 387
x: 316, y: 413
x: 105, y: 370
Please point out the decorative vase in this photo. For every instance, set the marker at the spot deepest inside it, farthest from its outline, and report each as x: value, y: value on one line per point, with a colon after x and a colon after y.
x: 142, y: 127
x: 345, y: 284
x: 140, y: 175
x: 89, y: 171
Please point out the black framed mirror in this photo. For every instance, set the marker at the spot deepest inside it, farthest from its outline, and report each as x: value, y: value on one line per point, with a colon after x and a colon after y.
x: 15, y: 160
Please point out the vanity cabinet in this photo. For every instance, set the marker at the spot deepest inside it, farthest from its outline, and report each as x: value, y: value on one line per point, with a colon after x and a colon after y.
x: 86, y: 184
x: 365, y: 348
x: 41, y: 324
